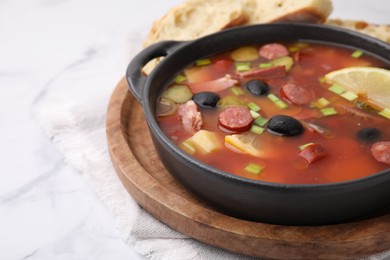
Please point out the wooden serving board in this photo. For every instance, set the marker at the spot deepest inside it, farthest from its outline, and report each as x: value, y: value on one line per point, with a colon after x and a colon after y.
x: 145, y: 178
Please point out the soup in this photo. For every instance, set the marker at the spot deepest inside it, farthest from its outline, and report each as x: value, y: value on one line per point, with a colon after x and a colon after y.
x: 267, y: 113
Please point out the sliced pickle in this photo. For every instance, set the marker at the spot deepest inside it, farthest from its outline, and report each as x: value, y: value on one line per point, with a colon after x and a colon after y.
x: 178, y: 93
x: 285, y: 61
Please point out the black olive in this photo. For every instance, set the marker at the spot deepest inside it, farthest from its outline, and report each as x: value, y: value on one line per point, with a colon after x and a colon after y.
x: 206, y: 99
x: 369, y: 135
x: 284, y: 125
x: 257, y: 87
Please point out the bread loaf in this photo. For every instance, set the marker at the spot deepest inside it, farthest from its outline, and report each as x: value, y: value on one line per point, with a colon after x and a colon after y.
x: 196, y: 18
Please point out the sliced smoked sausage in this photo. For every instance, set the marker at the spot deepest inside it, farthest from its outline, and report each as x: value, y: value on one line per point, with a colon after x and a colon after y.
x: 273, y: 50
x: 296, y: 95
x: 235, y: 119
x: 381, y: 152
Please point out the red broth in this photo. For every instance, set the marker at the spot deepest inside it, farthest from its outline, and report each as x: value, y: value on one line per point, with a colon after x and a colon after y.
x: 344, y: 155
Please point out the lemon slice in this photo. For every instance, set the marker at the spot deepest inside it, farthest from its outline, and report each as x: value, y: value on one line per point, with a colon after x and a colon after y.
x: 245, y: 143
x: 369, y: 83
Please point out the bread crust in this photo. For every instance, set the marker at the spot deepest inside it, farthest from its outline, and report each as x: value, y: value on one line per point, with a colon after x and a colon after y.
x: 379, y: 31
x: 264, y: 11
x: 197, y: 18
x: 307, y: 15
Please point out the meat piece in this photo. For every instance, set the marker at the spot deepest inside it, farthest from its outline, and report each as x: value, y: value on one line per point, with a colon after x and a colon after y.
x: 381, y: 152
x: 296, y: 95
x: 190, y: 117
x: 235, y: 118
x: 316, y: 129
x: 273, y: 50
x: 214, y: 85
x: 312, y: 153
x: 265, y: 73
x: 223, y: 65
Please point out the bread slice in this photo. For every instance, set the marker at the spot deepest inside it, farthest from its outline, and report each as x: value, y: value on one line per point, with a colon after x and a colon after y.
x: 196, y: 18
x: 380, y: 31
x: 264, y: 11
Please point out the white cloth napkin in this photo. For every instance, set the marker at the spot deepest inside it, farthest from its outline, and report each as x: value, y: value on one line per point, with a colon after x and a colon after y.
x: 71, y: 111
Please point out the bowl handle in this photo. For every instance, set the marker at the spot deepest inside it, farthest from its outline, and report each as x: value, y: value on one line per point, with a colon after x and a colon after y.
x: 135, y: 78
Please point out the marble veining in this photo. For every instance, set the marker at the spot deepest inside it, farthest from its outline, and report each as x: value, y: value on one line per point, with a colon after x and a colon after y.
x: 89, y: 54
x: 17, y: 193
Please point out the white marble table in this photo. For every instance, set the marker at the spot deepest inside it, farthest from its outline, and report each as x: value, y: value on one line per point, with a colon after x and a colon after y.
x: 47, y: 210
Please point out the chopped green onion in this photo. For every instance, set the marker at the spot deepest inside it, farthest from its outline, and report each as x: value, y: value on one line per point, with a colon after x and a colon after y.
x: 256, y: 129
x: 254, y: 114
x: 385, y: 113
x: 357, y: 54
x: 277, y: 101
x: 237, y: 90
x: 261, y: 121
x: 349, y: 95
x: 337, y: 89
x: 180, y: 78
x: 253, y: 168
x: 329, y: 111
x: 281, y: 104
x: 301, y: 147
x: 265, y: 65
x: 243, y: 66
x: 273, y: 98
x: 321, y: 103
x: 203, y: 62
x: 252, y: 106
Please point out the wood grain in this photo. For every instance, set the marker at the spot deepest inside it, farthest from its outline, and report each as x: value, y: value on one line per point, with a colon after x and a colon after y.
x: 145, y: 178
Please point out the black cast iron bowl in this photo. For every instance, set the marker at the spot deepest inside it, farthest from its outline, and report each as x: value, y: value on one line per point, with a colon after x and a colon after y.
x: 285, y: 204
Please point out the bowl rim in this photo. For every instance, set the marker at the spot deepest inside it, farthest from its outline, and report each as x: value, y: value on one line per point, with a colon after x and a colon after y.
x: 188, y: 159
